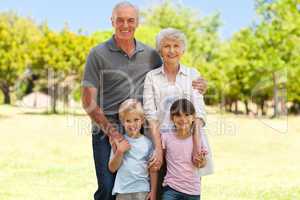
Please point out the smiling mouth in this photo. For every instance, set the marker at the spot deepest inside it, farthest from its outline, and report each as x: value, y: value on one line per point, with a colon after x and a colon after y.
x: 183, y: 124
x: 172, y: 56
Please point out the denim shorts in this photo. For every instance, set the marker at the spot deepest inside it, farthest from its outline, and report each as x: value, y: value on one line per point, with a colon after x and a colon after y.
x: 171, y: 194
x: 132, y: 196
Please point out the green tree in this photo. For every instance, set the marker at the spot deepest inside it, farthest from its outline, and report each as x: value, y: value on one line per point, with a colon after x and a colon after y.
x: 58, y: 58
x: 17, y: 35
x: 278, y: 34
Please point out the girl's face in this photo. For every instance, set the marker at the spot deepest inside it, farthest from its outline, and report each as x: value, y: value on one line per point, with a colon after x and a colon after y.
x: 132, y: 123
x: 183, y: 121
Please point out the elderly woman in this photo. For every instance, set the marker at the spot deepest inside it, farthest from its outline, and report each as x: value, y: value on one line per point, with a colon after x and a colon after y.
x: 168, y: 83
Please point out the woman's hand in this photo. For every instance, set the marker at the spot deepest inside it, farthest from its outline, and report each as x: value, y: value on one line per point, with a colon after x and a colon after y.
x: 156, y: 160
x: 199, y: 158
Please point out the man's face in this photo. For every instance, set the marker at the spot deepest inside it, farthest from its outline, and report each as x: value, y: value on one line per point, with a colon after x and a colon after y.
x: 125, y: 21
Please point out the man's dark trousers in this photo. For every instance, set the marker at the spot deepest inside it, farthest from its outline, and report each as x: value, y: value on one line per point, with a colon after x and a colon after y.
x: 105, y: 179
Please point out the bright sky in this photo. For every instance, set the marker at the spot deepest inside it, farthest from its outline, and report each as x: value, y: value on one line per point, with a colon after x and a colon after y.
x: 92, y: 15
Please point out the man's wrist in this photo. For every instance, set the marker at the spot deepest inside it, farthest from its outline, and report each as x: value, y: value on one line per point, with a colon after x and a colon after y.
x: 110, y: 131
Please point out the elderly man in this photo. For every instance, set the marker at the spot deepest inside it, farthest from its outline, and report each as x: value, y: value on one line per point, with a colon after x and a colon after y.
x: 115, y: 71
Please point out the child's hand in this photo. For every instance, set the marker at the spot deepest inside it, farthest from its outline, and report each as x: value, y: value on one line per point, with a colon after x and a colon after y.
x: 153, y: 168
x: 151, y: 196
x: 122, y: 146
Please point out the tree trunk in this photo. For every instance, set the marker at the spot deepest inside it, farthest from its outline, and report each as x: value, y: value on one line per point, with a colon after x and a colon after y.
x: 227, y: 105
x: 236, y: 107
x: 6, y: 92
x: 53, y: 90
x: 230, y: 106
x: 275, y: 90
x: 295, y: 109
x: 262, y: 107
x: 54, y: 96
x: 283, y: 99
x: 246, y: 106
x: 66, y: 97
x: 222, y: 104
x: 30, y: 86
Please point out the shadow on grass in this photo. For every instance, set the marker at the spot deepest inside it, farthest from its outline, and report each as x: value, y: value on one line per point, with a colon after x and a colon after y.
x: 4, y: 117
x: 47, y: 113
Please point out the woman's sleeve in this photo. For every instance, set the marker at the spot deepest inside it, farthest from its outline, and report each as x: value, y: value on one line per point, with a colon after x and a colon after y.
x: 150, y: 107
x: 198, y: 99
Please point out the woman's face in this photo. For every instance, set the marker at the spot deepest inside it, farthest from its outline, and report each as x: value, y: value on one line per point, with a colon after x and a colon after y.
x: 171, y: 51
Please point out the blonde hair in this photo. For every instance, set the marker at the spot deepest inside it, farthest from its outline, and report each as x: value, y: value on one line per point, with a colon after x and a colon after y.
x: 130, y: 105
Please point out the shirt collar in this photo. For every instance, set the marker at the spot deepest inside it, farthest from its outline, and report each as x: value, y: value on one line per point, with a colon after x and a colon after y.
x: 182, y: 70
x: 113, y: 46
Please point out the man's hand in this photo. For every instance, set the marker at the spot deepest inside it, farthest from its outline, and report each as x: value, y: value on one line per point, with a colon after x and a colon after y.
x: 156, y: 160
x: 112, y: 132
x: 114, y: 137
x: 200, y: 84
x: 117, y: 140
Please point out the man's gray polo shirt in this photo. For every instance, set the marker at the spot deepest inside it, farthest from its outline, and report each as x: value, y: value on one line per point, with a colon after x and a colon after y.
x: 116, y: 76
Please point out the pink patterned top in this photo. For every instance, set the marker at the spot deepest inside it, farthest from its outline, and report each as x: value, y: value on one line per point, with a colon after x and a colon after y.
x: 181, y: 175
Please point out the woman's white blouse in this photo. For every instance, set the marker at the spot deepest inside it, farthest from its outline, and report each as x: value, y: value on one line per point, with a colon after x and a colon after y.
x: 159, y: 94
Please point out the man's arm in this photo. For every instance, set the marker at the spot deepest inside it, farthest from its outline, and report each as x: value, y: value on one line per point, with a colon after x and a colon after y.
x: 96, y: 114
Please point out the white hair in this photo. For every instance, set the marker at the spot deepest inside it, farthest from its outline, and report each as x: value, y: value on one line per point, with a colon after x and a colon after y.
x: 125, y: 4
x: 170, y: 33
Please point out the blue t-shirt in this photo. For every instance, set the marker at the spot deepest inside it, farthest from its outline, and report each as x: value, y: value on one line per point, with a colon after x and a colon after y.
x: 133, y: 175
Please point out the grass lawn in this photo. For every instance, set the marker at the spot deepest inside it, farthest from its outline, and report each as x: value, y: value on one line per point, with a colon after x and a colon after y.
x: 46, y: 157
